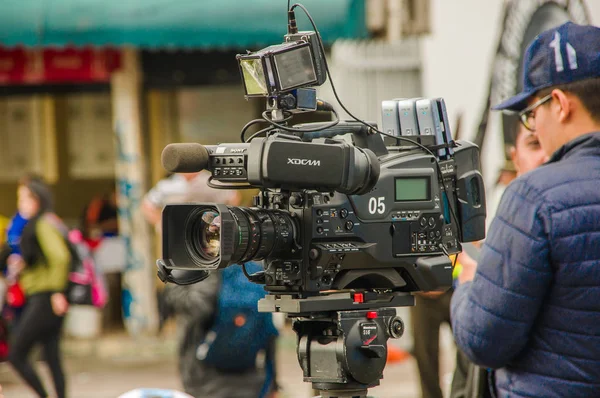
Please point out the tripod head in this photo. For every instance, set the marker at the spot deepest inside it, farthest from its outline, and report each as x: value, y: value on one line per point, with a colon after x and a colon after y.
x: 342, y: 338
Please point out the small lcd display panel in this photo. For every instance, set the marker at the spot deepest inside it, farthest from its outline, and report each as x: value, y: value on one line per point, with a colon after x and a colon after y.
x: 412, y: 189
x: 295, y: 68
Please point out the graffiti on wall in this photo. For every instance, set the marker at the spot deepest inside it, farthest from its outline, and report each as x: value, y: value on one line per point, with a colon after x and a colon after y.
x: 138, y: 288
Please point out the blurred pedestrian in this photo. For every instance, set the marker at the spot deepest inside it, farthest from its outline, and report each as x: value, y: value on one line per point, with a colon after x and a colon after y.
x: 100, y: 217
x: 182, y: 188
x: 430, y: 311
x: 43, y: 268
x: 195, y: 306
x: 531, y: 308
x: 15, y: 298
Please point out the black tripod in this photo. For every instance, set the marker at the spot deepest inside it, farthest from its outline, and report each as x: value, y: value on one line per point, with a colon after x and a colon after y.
x: 342, y: 338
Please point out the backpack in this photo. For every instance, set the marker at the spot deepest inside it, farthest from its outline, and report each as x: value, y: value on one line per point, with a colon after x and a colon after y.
x: 238, y: 332
x: 85, y: 285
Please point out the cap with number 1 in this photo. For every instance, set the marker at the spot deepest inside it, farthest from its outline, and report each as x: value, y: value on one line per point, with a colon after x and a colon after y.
x: 557, y: 56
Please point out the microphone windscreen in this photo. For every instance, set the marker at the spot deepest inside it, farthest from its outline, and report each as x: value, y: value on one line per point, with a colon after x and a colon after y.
x: 185, y: 158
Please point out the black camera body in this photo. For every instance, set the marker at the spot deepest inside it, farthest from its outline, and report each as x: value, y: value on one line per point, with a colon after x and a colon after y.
x: 339, y: 210
x: 334, y: 216
x: 345, y: 225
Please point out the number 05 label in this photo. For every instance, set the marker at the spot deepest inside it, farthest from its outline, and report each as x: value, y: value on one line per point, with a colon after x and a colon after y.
x: 377, y: 205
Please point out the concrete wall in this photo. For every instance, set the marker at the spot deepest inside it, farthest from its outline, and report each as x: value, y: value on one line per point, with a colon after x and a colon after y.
x: 457, y: 59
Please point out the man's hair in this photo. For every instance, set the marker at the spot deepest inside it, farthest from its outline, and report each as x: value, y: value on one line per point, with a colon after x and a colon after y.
x: 587, y: 90
x: 42, y: 192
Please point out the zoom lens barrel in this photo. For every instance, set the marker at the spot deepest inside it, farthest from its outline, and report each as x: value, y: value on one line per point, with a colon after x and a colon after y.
x: 217, y: 235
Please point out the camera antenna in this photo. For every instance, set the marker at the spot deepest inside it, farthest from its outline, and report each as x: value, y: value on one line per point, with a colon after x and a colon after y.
x: 292, y: 28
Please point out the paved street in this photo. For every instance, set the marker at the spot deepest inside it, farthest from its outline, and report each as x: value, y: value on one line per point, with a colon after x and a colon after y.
x: 115, y: 364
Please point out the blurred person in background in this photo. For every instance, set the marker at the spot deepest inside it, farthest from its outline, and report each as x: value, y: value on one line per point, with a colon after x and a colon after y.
x: 430, y: 311
x: 535, y: 285
x: 195, y: 305
x: 195, y: 308
x: 11, y: 248
x: 100, y: 217
x: 181, y: 188
x: 471, y: 381
x: 505, y: 177
x: 43, y: 268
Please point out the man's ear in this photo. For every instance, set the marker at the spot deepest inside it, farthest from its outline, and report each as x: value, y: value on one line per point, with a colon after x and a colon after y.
x: 513, y: 157
x: 562, y: 104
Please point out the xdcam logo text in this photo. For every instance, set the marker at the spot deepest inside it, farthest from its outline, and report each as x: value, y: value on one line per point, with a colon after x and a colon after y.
x: 304, y: 162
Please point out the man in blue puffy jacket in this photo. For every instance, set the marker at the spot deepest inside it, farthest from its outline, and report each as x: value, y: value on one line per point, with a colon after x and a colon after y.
x: 531, y: 309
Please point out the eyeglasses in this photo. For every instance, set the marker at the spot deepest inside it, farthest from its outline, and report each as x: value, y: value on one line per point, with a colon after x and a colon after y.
x: 527, y: 115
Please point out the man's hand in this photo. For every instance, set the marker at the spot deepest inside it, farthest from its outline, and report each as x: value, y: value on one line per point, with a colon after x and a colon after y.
x: 431, y: 295
x: 469, y: 266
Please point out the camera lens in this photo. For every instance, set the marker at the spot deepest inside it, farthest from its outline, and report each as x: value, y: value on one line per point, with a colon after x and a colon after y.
x: 262, y: 233
x: 208, y: 239
x: 217, y: 236
x: 204, y: 227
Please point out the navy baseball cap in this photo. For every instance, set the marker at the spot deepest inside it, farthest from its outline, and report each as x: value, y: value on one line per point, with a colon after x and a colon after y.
x: 557, y: 56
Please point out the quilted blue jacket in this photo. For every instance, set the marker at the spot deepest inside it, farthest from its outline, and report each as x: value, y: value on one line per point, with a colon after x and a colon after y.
x: 533, y: 309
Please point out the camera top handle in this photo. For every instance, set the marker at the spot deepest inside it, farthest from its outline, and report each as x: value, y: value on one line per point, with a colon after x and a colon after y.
x: 363, y: 136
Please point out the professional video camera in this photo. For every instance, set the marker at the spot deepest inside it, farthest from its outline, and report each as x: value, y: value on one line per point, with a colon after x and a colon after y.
x: 345, y: 226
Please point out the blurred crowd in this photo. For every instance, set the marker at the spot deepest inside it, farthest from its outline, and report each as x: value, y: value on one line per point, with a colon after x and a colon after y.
x: 39, y: 259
